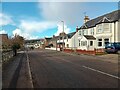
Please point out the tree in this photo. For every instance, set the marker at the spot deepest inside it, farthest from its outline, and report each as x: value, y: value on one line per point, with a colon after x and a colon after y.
x: 17, y: 43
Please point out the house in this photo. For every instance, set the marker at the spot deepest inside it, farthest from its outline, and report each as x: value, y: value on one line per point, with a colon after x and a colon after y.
x: 4, y: 42
x: 47, y: 41
x: 63, y: 41
x: 53, y: 41
x: 96, y: 33
x: 69, y: 40
x: 60, y: 41
x: 35, y: 43
x: 66, y: 41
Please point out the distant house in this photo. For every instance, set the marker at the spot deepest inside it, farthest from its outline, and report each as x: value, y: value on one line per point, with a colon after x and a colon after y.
x: 99, y: 31
x: 58, y: 43
x: 70, y: 40
x: 61, y: 40
x: 67, y: 42
x: 47, y: 41
x: 53, y: 41
x: 35, y: 43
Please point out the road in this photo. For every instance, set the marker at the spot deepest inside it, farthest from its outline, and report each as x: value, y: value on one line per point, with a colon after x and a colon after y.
x: 52, y: 69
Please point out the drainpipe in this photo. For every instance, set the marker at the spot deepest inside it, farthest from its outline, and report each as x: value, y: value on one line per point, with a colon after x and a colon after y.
x: 114, y: 31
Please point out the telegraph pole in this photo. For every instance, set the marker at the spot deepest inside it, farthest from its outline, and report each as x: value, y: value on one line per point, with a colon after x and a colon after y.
x: 63, y: 35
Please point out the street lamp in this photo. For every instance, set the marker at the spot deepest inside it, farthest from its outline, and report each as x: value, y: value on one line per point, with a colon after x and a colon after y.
x: 63, y: 35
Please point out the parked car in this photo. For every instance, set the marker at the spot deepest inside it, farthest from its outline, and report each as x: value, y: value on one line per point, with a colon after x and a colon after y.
x: 112, y: 47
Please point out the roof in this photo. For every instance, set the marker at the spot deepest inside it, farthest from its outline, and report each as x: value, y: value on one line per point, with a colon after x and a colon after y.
x: 4, y: 36
x: 54, y: 38
x: 48, y: 38
x: 33, y: 40
x: 90, y: 37
x: 107, y: 18
x: 70, y: 34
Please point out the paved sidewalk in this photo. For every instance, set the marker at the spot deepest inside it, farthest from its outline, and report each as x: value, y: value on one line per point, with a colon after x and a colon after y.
x: 9, y: 70
x: 109, y: 57
x: 113, y: 58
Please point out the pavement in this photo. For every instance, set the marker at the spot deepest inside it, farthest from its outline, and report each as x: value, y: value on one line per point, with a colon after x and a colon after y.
x: 113, y: 58
x: 15, y: 73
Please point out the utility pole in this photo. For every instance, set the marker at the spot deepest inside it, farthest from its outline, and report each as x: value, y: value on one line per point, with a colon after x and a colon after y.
x: 63, y: 35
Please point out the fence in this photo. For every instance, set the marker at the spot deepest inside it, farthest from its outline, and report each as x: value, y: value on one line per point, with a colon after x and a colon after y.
x: 6, y: 55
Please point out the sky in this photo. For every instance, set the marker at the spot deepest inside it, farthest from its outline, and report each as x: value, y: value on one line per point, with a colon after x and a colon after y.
x: 35, y: 20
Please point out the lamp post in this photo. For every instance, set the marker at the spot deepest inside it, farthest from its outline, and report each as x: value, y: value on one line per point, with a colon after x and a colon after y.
x: 63, y: 35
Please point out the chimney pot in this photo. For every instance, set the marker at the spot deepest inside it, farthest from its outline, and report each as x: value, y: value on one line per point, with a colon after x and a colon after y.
x: 77, y: 29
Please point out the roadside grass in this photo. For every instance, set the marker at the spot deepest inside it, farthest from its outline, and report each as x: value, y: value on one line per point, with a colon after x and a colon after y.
x: 101, y: 54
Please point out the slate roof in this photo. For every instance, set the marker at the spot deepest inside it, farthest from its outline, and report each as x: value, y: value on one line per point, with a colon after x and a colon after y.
x: 48, y: 38
x: 107, y: 18
x: 89, y: 37
x: 70, y: 34
x: 54, y: 38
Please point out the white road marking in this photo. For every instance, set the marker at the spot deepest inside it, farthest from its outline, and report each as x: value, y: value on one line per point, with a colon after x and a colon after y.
x: 102, y: 72
x: 92, y: 69
x: 29, y: 71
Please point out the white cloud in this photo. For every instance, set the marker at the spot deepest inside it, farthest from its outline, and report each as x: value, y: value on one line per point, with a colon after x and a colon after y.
x: 60, y: 29
x: 26, y: 35
x: 17, y: 31
x: 36, y: 26
x: 28, y: 28
x: 3, y: 32
x: 5, y: 19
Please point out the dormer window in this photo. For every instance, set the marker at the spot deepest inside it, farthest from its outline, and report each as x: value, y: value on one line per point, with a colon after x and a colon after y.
x: 92, y: 31
x: 106, y: 26
x: 99, y: 28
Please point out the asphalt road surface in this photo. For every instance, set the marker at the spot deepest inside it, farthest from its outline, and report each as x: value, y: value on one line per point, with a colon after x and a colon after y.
x: 51, y: 69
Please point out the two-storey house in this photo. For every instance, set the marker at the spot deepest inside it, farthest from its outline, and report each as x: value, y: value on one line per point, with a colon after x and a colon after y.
x: 96, y: 33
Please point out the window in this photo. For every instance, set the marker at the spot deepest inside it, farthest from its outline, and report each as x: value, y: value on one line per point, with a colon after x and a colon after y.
x: 83, y: 43
x: 92, y: 31
x: 79, y: 42
x: 99, y: 42
x: 60, y: 38
x: 106, y: 26
x: 106, y: 41
x: 67, y: 39
x: 99, y: 28
x: 91, y: 43
x: 80, y: 32
x: 67, y: 45
x: 84, y: 32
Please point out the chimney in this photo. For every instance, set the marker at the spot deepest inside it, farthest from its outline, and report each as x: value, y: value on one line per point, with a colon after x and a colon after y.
x: 77, y: 29
x: 86, y: 19
x: 53, y: 36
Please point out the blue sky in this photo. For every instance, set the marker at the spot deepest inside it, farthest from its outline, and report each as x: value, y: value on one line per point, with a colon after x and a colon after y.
x: 43, y: 19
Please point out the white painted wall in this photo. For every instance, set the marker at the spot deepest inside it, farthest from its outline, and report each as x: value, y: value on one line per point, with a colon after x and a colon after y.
x: 113, y: 34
